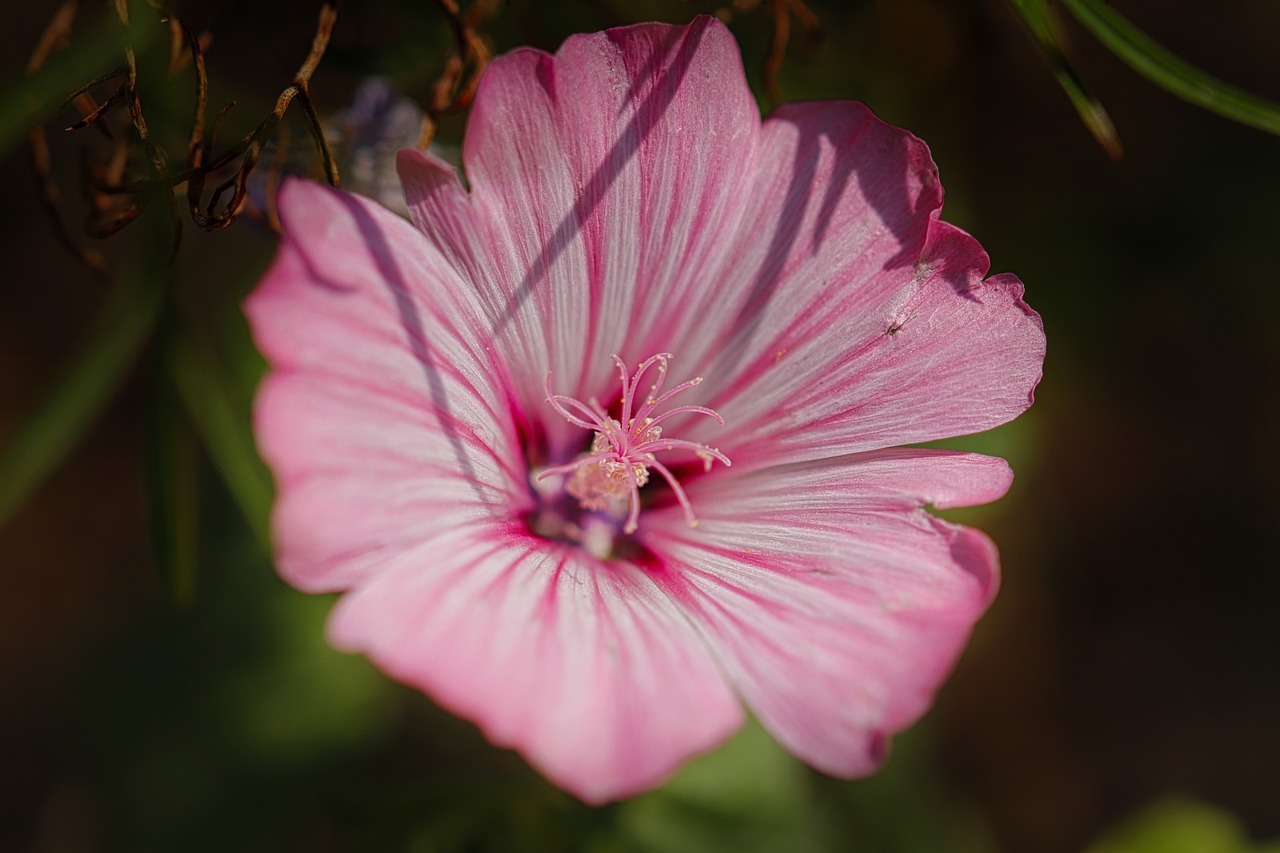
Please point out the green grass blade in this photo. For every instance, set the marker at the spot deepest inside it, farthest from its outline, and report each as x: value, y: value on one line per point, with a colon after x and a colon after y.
x: 112, y: 347
x: 1166, y: 70
x: 225, y: 430
x: 172, y: 469
x: 1038, y: 18
x: 1036, y: 15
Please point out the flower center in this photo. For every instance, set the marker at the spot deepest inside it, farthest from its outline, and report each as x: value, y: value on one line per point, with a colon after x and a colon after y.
x: 608, y: 477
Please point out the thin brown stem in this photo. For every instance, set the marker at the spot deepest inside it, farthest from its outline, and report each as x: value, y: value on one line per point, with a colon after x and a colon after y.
x: 155, y: 156
x: 254, y: 143
x: 777, y: 50
x: 56, y: 36
x: 115, y: 199
x: 102, y: 109
x: 454, y: 90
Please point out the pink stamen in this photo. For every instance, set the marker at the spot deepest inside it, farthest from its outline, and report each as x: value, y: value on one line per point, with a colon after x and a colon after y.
x: 623, y: 450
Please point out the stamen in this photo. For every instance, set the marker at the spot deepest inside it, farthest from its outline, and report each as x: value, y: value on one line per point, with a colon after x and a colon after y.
x: 623, y: 450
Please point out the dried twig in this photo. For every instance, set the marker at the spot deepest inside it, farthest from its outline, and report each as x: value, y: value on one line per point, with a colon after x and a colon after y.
x: 155, y: 156
x: 116, y: 199
x: 782, y: 12
x: 252, y: 145
x: 56, y: 35
x: 453, y: 91
x: 179, y: 34
x: 773, y: 61
x: 100, y: 110
x: 274, y: 170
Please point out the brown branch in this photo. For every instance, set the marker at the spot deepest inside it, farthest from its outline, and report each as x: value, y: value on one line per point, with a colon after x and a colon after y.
x: 99, y: 111
x: 122, y: 71
x: 782, y: 12
x: 254, y: 143
x: 198, y: 148
x: 274, y: 170
x: 808, y: 18
x: 773, y: 61
x: 456, y: 87
x: 327, y: 160
x: 202, y: 92
x: 100, y: 182
x: 114, y: 199
x: 90, y: 111
x: 56, y: 35
x: 155, y: 156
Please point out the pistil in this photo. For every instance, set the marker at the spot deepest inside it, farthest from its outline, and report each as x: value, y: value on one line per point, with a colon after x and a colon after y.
x: 623, y: 449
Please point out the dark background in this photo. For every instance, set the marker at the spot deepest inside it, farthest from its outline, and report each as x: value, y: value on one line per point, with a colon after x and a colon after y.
x: 1131, y: 658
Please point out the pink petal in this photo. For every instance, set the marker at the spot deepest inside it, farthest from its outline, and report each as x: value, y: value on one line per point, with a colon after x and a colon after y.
x: 380, y: 417
x: 863, y: 321
x: 625, y: 199
x: 835, y: 601
x: 606, y: 187
x: 584, y: 667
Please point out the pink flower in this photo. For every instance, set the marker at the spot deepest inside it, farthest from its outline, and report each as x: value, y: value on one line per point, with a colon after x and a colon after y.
x: 470, y: 443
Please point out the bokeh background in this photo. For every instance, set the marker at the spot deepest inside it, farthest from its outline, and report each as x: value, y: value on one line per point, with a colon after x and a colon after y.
x: 1122, y: 694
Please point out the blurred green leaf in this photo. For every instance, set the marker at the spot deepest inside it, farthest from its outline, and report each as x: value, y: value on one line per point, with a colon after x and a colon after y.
x: 1036, y: 15
x: 1039, y: 19
x: 299, y: 697
x: 172, y: 477
x: 225, y: 430
x: 1180, y: 826
x: 751, y: 795
x: 748, y: 795
x: 1169, y: 72
x: 44, y: 440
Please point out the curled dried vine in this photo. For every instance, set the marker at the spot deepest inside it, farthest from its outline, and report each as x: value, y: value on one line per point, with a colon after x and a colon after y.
x: 782, y: 12
x: 156, y: 160
x: 453, y: 91
x: 115, y: 199
x: 201, y: 163
x: 56, y: 36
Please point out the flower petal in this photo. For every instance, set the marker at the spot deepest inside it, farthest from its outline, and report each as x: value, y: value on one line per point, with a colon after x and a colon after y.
x: 584, y: 667
x: 379, y: 418
x: 835, y: 601
x: 605, y: 181
x: 865, y: 321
